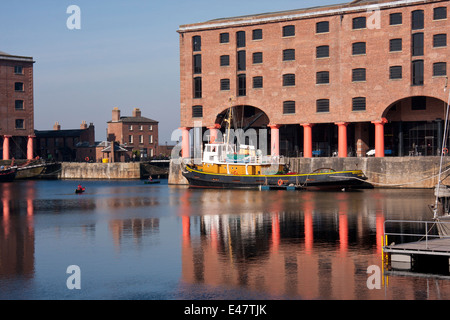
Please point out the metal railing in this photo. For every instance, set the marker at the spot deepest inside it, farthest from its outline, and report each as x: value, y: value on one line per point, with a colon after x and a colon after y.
x: 428, y: 226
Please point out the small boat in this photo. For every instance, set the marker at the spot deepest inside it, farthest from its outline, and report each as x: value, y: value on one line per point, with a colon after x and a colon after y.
x: 80, y: 190
x: 8, y: 174
x: 152, y: 181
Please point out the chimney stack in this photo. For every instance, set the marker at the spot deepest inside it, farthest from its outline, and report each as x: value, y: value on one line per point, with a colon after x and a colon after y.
x: 56, y: 126
x: 115, y: 114
x: 136, y: 112
x: 83, y: 125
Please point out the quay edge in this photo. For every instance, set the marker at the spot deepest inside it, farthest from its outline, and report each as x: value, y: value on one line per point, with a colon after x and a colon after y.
x: 387, y: 172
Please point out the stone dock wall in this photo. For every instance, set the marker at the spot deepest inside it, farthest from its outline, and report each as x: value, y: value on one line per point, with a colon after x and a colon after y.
x: 117, y: 170
x: 388, y: 172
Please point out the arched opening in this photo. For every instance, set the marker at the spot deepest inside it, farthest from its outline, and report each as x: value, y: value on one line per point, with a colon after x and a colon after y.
x: 243, y: 117
x: 415, y: 126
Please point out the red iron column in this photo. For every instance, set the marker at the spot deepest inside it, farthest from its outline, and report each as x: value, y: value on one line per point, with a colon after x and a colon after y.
x: 307, y: 139
x: 275, y: 139
x: 185, y: 145
x: 342, y: 145
x: 379, y: 137
x: 30, y: 147
x: 6, y: 147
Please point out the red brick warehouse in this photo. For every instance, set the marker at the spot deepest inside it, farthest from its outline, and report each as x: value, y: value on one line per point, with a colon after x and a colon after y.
x: 334, y: 80
x: 16, y: 106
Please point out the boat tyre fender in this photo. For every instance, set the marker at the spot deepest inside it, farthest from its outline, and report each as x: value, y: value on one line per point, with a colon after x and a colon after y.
x: 280, y: 182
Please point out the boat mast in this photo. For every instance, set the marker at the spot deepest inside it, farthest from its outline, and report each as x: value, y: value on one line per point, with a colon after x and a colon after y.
x: 230, y: 116
x: 444, y: 145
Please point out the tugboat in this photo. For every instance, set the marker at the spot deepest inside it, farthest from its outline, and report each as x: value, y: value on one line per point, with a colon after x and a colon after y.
x: 226, y: 166
x: 222, y: 167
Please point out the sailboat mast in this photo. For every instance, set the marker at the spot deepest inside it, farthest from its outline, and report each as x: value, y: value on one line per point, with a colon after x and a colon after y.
x: 444, y: 145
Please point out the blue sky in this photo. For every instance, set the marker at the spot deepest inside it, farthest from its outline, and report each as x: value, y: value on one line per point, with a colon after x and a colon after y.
x: 125, y: 55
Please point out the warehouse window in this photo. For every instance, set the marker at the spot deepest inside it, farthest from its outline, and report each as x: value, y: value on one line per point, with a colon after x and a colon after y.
x: 289, y: 31
x: 359, y: 23
x: 358, y: 48
x: 224, y: 37
x: 417, y: 44
x: 288, y: 107
x: 242, y: 85
x: 417, y: 73
x: 395, y: 18
x: 257, y: 34
x: 395, y: 45
x: 289, y: 55
x: 359, y: 74
x: 197, y: 63
x: 20, y: 124
x: 359, y: 104
x: 224, y: 84
x: 257, y: 57
x: 323, y: 27
x: 240, y: 39
x: 417, y: 20
x: 257, y: 82
x: 224, y: 60
x: 241, y: 60
x: 18, y: 105
x: 440, y: 40
x: 289, y: 80
x: 323, y: 105
x: 196, y: 43
x: 395, y: 72
x: 439, y: 69
x: 440, y: 13
x: 197, y: 87
x: 197, y: 111
x: 323, y: 77
x: 18, y: 86
x: 323, y: 52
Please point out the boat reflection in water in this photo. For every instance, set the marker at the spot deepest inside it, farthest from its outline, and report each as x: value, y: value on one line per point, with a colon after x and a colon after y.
x: 309, y: 245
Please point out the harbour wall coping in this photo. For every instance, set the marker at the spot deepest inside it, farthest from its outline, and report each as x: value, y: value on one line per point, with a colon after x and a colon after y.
x: 387, y: 172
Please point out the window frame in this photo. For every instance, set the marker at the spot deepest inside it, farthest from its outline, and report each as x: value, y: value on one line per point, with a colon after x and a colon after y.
x: 355, y: 47
x: 322, y: 77
x: 393, y: 70
x: 289, y: 80
x: 359, y: 23
x: 289, y: 107
x: 257, y: 34
x: 322, y: 105
x: 359, y: 104
x: 318, y: 51
x: 224, y: 37
x: 197, y: 111
x: 288, y: 31
x: 322, y: 24
x: 436, y: 66
x: 289, y: 55
x: 393, y: 19
x: 257, y: 82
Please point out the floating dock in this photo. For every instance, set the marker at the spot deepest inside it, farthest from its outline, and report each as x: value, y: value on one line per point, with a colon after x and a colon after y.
x: 293, y: 188
x: 430, y: 253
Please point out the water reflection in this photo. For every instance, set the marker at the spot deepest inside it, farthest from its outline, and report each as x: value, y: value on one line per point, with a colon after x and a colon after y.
x: 16, y: 231
x: 301, y: 244
x: 281, y: 244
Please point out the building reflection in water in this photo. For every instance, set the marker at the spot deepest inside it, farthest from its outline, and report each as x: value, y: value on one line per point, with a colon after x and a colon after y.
x: 286, y: 244
x: 17, y: 244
